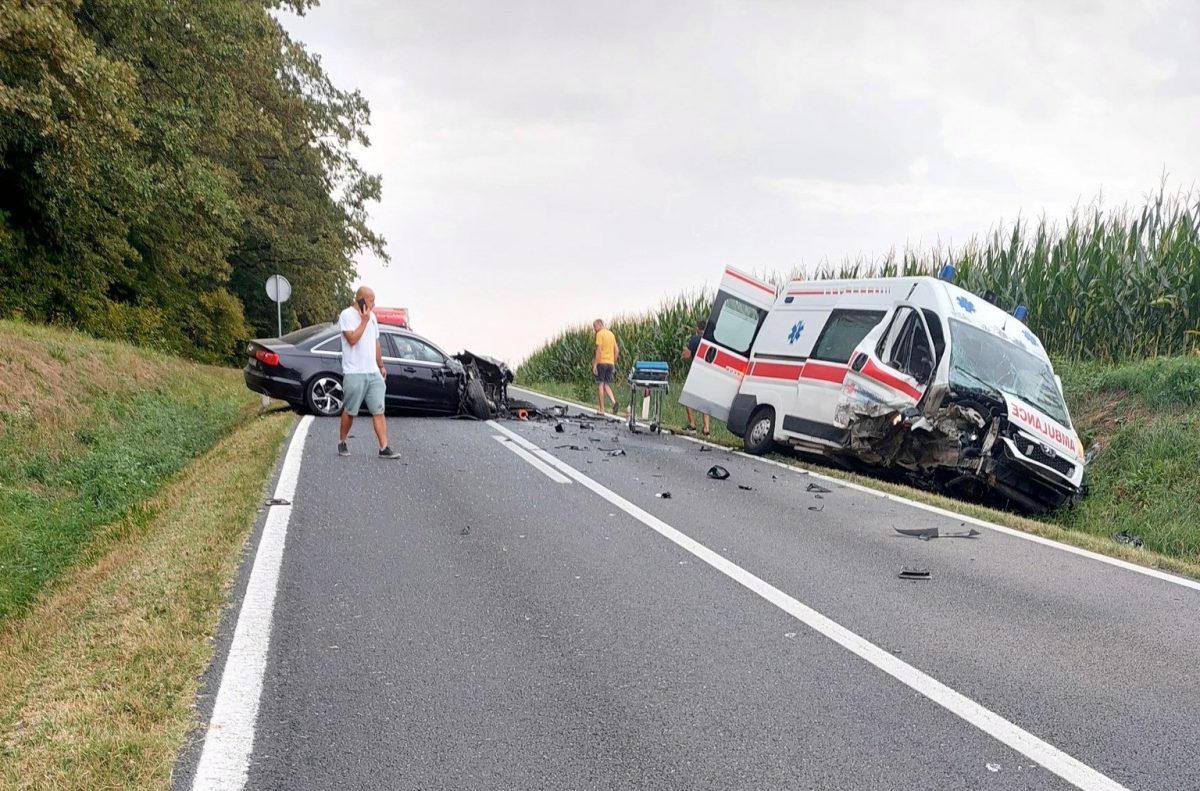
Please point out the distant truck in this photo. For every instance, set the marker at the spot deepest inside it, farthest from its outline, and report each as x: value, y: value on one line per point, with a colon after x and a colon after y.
x: 396, y: 317
x: 909, y: 373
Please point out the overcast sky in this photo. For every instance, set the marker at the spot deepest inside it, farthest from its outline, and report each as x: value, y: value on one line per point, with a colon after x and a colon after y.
x: 545, y: 163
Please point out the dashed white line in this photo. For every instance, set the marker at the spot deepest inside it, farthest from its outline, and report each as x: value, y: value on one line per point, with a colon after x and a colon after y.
x: 537, y: 464
x: 225, y: 758
x: 1068, y: 768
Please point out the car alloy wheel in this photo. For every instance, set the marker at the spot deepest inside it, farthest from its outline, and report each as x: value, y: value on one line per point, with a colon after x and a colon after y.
x: 325, y: 395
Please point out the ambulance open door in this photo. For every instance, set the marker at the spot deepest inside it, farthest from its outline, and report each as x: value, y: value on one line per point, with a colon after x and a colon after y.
x: 720, y: 363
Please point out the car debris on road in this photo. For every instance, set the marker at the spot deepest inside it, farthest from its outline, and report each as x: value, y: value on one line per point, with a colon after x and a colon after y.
x: 926, y: 533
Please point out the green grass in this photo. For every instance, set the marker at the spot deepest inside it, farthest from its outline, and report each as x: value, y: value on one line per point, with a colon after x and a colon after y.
x: 99, y: 678
x: 1146, y: 478
x: 88, y: 431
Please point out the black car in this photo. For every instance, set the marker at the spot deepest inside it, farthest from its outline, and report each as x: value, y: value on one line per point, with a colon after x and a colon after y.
x: 304, y: 368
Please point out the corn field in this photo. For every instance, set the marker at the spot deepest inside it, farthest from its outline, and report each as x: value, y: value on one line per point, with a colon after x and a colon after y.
x: 1109, y: 286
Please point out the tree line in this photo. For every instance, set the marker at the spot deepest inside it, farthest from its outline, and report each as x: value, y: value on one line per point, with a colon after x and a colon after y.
x: 159, y: 159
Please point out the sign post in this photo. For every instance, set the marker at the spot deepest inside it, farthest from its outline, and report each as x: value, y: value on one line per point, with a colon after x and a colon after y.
x: 279, y: 289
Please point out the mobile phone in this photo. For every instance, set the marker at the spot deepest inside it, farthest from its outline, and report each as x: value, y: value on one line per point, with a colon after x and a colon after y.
x: 362, y: 304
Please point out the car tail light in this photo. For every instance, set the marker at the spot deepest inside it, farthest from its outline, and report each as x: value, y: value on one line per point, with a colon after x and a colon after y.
x: 266, y: 358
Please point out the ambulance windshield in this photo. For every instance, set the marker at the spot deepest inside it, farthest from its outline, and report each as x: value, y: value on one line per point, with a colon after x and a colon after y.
x: 980, y: 359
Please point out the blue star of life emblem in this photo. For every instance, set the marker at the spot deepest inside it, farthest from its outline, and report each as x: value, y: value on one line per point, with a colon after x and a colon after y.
x: 966, y: 304
x: 1029, y: 336
x: 794, y: 335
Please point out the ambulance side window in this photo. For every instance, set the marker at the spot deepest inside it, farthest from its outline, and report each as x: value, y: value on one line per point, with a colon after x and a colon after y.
x: 905, y: 346
x: 842, y: 334
x: 735, y: 325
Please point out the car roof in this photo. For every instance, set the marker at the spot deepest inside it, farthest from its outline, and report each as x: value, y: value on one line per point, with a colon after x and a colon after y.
x: 330, y: 330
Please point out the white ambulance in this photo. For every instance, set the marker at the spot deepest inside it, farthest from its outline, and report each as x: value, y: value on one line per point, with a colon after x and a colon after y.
x: 908, y: 373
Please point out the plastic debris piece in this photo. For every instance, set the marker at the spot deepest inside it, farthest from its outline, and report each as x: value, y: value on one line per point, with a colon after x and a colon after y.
x: 278, y: 501
x: 813, y: 487
x: 923, y: 533
x: 664, y: 495
x: 993, y: 767
x: 558, y: 427
x: 926, y: 533
x: 466, y: 531
x: 913, y: 573
x: 617, y: 452
x: 820, y: 507
x: 1123, y: 537
x: 569, y: 447
x: 745, y: 487
x: 717, y: 472
x: 705, y: 449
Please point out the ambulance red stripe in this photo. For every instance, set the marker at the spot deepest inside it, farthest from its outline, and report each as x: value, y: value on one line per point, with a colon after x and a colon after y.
x: 750, y: 281
x: 723, y: 359
x: 788, y: 371
x: 873, y: 371
x: 825, y: 372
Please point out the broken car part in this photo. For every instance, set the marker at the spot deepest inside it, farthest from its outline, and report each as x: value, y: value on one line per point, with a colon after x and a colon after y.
x: 926, y: 533
x: 717, y: 472
x: 913, y: 573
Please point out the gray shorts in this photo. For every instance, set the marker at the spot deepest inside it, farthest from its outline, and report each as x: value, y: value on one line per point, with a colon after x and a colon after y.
x: 604, y: 374
x: 363, y: 387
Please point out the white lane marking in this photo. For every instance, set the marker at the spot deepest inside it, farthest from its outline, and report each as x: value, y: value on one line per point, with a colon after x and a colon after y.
x: 933, y: 509
x: 1073, y: 771
x: 225, y: 759
x: 537, y: 464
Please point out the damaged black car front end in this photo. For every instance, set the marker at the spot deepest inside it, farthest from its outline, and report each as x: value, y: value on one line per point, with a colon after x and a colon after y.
x: 485, y: 384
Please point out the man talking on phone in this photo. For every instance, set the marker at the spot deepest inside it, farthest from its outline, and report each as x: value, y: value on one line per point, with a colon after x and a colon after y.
x: 362, y: 370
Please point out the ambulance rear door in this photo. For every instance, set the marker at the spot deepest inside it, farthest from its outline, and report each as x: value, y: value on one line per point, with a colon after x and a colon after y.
x: 720, y: 363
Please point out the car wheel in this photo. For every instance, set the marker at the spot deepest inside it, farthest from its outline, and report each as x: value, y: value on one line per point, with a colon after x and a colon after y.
x: 324, y: 396
x: 760, y: 432
x: 476, y: 400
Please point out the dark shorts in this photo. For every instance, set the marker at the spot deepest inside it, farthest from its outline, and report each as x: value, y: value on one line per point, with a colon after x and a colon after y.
x: 604, y: 374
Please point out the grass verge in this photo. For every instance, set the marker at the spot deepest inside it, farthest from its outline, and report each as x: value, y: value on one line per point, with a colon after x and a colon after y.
x: 1146, y: 480
x: 88, y: 430
x: 99, y: 678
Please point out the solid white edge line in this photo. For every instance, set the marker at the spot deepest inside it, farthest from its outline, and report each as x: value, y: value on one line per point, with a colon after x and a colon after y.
x: 1060, y: 763
x: 934, y: 509
x: 537, y: 464
x: 225, y: 759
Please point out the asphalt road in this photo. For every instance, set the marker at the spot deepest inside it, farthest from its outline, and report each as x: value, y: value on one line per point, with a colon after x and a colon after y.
x: 460, y: 619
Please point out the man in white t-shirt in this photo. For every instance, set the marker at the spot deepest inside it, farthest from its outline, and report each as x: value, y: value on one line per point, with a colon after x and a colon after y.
x: 362, y: 370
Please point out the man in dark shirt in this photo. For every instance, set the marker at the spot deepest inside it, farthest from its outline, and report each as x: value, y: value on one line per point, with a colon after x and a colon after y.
x: 689, y: 353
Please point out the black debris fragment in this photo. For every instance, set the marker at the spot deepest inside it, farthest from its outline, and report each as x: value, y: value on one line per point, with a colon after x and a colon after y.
x: 558, y: 427
x: 745, y: 487
x: 705, y: 449
x: 813, y: 487
x: 594, y: 439
x: 569, y: 447
x: 717, y: 472
x: 465, y: 531
x: 664, y: 495
x: 820, y: 507
x: 278, y: 501
x: 1123, y: 537
x: 617, y: 452
x: 913, y: 573
x: 585, y: 426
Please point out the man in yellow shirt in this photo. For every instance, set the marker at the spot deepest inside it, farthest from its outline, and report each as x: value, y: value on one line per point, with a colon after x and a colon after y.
x: 604, y: 364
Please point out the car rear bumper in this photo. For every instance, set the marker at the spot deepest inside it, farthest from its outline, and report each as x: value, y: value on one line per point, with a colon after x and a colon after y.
x: 279, y: 387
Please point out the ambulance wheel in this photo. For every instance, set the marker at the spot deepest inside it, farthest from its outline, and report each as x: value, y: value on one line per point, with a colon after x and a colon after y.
x: 760, y: 432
